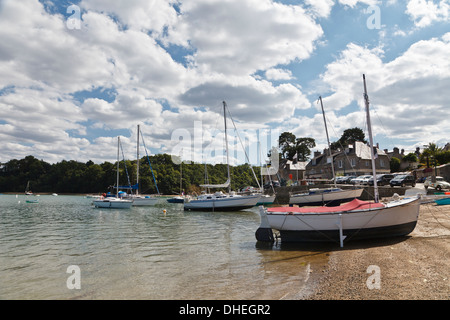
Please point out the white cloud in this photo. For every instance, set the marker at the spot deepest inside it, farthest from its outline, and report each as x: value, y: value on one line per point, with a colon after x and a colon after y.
x: 406, y: 94
x: 321, y: 7
x: 252, y: 100
x: 342, y: 75
x: 170, y: 63
x: 425, y: 12
x: 37, y: 48
x: 125, y: 111
x: 352, y: 3
x: 139, y: 15
x: 278, y: 74
x: 237, y: 37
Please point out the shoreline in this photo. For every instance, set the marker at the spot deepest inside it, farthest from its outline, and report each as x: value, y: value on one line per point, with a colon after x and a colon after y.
x: 414, y: 267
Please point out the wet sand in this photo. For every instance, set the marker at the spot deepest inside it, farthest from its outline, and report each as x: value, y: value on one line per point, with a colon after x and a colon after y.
x: 415, y: 267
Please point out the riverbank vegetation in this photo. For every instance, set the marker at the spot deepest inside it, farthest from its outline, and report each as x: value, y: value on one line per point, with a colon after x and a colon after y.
x: 77, y: 177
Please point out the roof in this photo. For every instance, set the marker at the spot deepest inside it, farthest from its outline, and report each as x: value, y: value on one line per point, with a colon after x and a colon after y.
x: 362, y: 150
x: 300, y: 165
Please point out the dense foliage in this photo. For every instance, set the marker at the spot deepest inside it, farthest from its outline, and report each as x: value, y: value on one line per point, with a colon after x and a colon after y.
x: 291, y: 146
x: 433, y: 155
x: 349, y: 137
x: 78, y: 177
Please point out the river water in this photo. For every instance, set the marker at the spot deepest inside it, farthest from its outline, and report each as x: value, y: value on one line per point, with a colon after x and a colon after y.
x: 159, y: 252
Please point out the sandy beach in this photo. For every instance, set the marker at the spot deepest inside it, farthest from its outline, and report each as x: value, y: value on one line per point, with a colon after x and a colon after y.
x: 415, y: 267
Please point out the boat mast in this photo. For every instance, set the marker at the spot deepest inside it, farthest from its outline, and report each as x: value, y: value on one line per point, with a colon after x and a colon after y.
x: 137, y: 163
x: 372, y: 156
x: 181, y: 177
x: 226, y: 143
x: 118, y: 146
x: 328, y: 139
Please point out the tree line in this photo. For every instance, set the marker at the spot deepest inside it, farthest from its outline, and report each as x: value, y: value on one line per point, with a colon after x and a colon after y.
x: 79, y: 177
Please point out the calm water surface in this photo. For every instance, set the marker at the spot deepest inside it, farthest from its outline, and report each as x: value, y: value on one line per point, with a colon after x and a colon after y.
x: 142, y: 253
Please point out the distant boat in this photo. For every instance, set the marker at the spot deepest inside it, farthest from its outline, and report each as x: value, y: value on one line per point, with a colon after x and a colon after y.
x: 220, y: 201
x: 140, y: 200
x: 54, y: 194
x: 177, y: 199
x: 28, y: 192
x: 32, y: 201
x: 114, y: 202
x: 354, y: 220
x: 326, y: 196
x: 181, y: 197
x: 266, y: 199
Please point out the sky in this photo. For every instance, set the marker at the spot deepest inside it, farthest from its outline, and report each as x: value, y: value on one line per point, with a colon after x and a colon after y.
x: 76, y: 75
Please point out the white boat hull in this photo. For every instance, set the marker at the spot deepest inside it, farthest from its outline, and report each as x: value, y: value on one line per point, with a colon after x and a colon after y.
x: 325, y: 198
x: 229, y: 203
x: 143, y: 201
x: 266, y: 199
x: 395, y: 219
x: 113, y: 203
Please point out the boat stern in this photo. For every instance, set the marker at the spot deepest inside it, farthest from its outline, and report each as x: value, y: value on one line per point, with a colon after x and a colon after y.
x: 264, y: 232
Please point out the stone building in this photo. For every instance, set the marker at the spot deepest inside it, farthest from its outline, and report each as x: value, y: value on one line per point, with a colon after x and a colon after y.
x: 354, y: 160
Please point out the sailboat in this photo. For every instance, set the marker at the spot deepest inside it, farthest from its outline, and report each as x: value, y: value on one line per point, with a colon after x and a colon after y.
x: 114, y: 202
x: 140, y: 200
x: 354, y: 220
x: 325, y: 196
x: 28, y: 192
x: 180, y: 198
x: 265, y: 199
x: 220, y: 201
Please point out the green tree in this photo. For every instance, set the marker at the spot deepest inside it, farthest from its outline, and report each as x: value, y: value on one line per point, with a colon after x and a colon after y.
x: 287, y: 142
x: 443, y: 157
x: 394, y: 164
x: 410, y: 158
x: 302, y: 148
x: 291, y: 146
x: 432, y: 151
x: 349, y: 137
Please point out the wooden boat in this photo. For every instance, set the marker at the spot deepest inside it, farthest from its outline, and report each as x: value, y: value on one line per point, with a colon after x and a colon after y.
x: 355, y: 220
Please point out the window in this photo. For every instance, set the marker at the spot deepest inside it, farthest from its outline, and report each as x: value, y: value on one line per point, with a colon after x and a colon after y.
x: 382, y: 163
x: 367, y: 163
x: 340, y: 164
x: 353, y: 162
